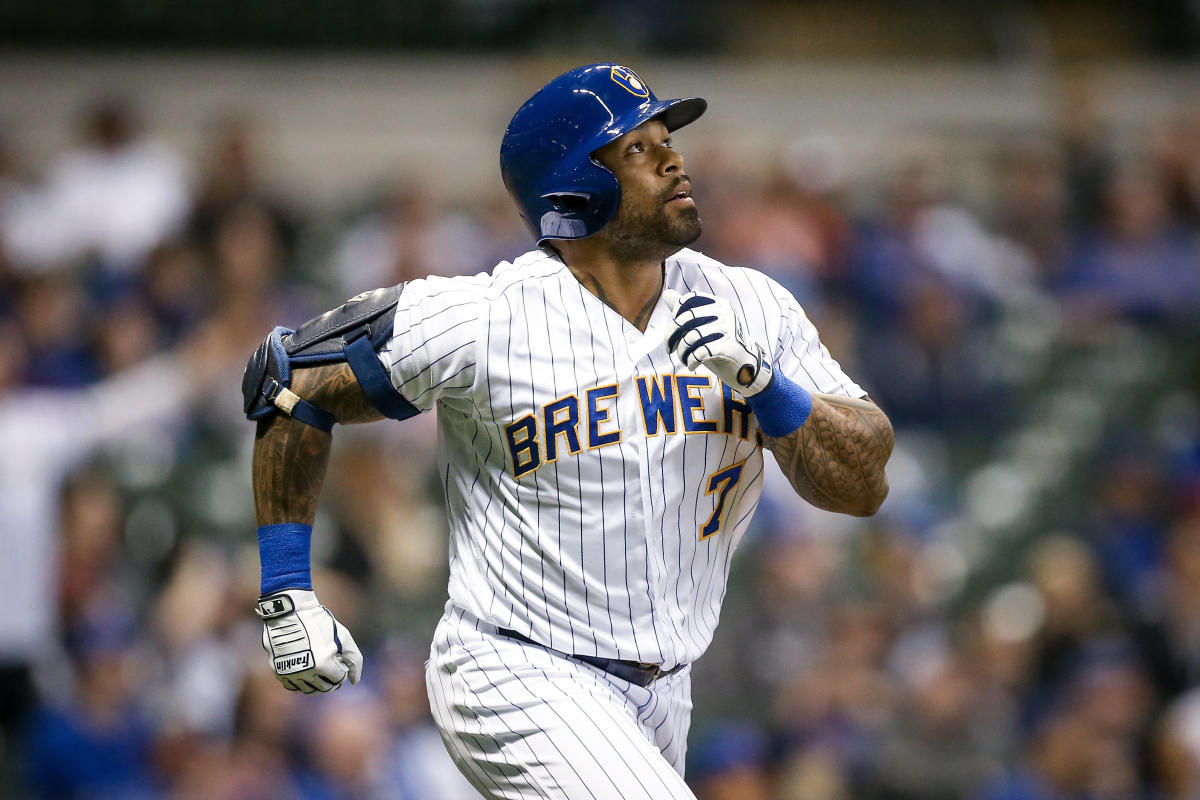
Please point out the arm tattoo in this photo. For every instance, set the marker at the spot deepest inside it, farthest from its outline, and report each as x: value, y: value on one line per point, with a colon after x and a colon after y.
x: 290, y: 457
x: 835, y: 460
x: 334, y: 388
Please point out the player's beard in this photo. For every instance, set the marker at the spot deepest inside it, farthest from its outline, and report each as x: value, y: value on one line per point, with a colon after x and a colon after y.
x: 635, y: 235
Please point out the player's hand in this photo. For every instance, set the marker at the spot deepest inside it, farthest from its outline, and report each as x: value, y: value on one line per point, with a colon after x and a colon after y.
x: 708, y: 331
x: 310, y: 651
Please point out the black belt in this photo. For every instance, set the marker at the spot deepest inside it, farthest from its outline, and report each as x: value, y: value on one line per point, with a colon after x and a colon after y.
x: 636, y: 672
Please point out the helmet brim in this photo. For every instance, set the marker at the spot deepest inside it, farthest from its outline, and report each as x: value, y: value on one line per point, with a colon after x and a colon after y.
x: 681, y: 112
x: 673, y: 113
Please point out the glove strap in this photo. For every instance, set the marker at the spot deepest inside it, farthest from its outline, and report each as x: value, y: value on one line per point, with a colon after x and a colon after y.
x: 283, y: 551
x: 782, y: 407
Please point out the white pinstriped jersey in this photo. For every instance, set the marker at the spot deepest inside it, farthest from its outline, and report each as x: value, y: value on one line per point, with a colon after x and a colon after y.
x: 597, y: 487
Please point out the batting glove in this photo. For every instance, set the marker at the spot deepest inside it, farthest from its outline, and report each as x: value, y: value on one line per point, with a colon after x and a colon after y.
x: 310, y: 651
x: 709, y: 331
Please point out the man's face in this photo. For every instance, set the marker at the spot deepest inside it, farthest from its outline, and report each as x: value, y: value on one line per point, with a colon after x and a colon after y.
x: 657, y: 215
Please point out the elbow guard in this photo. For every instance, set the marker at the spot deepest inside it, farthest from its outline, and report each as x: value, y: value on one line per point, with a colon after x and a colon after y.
x: 352, y: 333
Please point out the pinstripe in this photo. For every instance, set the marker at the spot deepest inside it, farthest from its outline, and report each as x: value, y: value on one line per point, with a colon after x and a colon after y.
x: 494, y: 714
x: 538, y: 523
x: 693, y: 482
x: 450, y: 732
x: 519, y: 564
x: 603, y: 502
x: 662, y: 471
x: 440, y: 384
x: 437, y: 361
x: 611, y: 712
x: 549, y: 739
x: 443, y: 309
x: 672, y: 729
x: 691, y: 572
x: 527, y: 769
x: 589, y: 747
x: 524, y: 768
x: 722, y: 585
x: 446, y: 494
x: 587, y: 606
x: 462, y: 759
x: 554, y: 371
x: 606, y: 317
x: 603, y: 704
x: 489, y: 564
x: 688, y: 286
x: 536, y: 763
x: 429, y: 339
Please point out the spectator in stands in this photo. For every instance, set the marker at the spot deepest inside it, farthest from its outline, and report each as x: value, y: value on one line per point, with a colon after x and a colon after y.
x: 235, y: 173
x: 115, y: 196
x: 97, y: 745
x: 347, y: 751
x: 1128, y: 527
x: 1177, y: 748
x: 1175, y: 150
x: 730, y: 763
x: 944, y: 743
x: 1139, y: 262
x: 1068, y: 581
x: 1032, y: 205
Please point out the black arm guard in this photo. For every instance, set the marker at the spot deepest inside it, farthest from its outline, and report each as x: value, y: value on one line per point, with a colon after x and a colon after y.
x: 352, y: 333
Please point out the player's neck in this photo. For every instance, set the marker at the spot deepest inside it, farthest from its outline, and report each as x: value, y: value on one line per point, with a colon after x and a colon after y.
x: 632, y: 289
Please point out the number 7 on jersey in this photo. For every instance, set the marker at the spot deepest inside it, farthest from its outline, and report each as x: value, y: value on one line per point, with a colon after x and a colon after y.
x: 723, y: 482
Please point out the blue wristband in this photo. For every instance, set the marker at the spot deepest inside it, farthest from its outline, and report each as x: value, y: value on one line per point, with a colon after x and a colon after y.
x: 283, y: 553
x: 782, y: 407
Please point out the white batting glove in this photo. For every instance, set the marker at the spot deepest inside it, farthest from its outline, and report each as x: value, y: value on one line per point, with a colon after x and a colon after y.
x: 708, y: 331
x: 310, y: 651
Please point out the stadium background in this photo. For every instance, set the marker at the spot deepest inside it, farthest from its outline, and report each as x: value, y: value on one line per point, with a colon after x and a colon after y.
x: 990, y: 210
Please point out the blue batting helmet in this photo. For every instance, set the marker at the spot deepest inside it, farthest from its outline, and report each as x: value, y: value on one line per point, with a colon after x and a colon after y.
x: 546, y: 156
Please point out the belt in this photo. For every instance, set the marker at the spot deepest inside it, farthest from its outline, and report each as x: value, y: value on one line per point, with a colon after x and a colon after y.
x: 636, y: 672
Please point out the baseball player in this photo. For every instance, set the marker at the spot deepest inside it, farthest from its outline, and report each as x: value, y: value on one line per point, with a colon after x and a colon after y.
x: 603, y: 403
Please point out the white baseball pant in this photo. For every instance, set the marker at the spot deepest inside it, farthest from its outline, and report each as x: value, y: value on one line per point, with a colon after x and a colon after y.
x: 522, y: 721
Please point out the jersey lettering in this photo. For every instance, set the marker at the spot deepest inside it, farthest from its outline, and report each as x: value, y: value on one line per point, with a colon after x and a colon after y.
x: 561, y: 418
x: 598, y: 416
x: 557, y: 423
x: 523, y: 444
x: 729, y: 407
x: 690, y: 405
x: 658, y: 403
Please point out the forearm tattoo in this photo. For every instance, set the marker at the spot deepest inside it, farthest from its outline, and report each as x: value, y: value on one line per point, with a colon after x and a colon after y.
x: 835, y: 460
x: 290, y: 457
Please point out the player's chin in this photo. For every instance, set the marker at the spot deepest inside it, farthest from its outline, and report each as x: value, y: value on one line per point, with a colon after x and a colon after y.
x: 686, y: 226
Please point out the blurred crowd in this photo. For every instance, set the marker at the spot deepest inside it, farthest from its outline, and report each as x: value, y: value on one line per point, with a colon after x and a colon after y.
x: 1020, y: 622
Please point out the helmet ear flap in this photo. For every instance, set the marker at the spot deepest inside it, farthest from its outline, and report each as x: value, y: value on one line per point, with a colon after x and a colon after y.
x: 569, y: 202
x: 581, y: 210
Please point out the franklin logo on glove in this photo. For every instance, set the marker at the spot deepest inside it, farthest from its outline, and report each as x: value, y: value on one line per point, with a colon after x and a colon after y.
x: 290, y: 664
